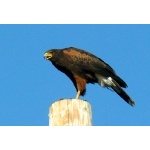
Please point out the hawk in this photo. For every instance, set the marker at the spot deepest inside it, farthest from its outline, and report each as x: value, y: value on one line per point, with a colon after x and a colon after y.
x: 83, y: 67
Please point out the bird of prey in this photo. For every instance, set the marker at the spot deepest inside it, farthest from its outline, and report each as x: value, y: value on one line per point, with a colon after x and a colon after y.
x: 83, y: 67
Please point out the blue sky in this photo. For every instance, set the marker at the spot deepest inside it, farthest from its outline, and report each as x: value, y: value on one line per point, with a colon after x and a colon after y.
x: 29, y: 84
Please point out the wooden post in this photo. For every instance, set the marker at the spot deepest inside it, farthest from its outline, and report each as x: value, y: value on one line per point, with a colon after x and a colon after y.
x: 70, y: 112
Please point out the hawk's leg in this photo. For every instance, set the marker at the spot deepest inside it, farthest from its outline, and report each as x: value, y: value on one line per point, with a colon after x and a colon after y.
x: 80, y: 86
x: 78, y: 95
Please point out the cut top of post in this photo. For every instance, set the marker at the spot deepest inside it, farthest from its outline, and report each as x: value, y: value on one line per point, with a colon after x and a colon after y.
x: 70, y: 112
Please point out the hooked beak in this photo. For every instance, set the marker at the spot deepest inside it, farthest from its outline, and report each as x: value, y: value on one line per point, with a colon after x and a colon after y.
x: 47, y: 55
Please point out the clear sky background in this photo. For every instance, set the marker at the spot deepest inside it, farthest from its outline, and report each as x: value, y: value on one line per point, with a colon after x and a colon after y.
x: 29, y: 84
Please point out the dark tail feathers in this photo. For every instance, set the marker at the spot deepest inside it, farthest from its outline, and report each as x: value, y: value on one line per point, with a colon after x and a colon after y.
x: 116, y: 87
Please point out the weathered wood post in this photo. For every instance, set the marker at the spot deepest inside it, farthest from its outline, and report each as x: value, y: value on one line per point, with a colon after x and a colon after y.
x: 70, y: 112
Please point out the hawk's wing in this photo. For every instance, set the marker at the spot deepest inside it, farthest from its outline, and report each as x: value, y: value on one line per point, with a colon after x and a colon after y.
x: 88, y: 62
x: 91, y: 64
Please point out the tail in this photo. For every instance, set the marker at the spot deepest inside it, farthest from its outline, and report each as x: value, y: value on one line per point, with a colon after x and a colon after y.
x: 116, y: 87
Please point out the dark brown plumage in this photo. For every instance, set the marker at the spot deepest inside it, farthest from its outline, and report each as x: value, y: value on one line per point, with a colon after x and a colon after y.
x: 83, y: 67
